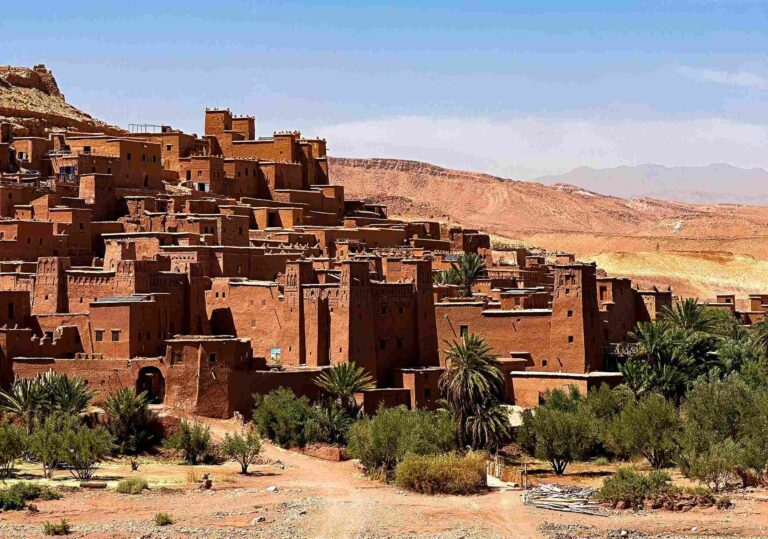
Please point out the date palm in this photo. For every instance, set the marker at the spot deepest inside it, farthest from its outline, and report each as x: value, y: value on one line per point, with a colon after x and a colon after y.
x: 471, y: 378
x: 25, y: 401
x: 69, y: 396
x: 467, y: 269
x: 690, y: 315
x: 342, y: 381
x: 488, y: 427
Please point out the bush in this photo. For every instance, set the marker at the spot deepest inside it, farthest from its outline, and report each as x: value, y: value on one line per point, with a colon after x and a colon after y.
x: 282, y: 417
x: 193, y: 440
x: 163, y: 519
x: 329, y: 424
x: 442, y: 474
x: 244, y: 448
x: 382, y: 441
x: 132, y: 485
x: 46, y: 444
x: 16, y: 496
x: 715, y: 467
x: 649, y: 427
x: 85, y: 448
x: 13, y: 442
x: 130, y: 421
x: 560, y: 431
x: 62, y: 528
x: 632, y: 488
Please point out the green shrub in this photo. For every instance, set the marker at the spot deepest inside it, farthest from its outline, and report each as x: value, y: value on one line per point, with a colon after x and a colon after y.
x: 13, y: 442
x: 130, y: 421
x: 634, y: 488
x: 15, y: 497
x: 601, y: 461
x: 62, y: 528
x: 193, y: 440
x: 383, y: 440
x: 163, y: 519
x: 46, y: 444
x: 442, y: 474
x: 132, y: 485
x: 85, y: 448
x: 244, y: 448
x: 649, y: 427
x: 282, y: 417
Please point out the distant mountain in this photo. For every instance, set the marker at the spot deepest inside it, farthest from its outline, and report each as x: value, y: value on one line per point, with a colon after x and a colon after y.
x: 713, y: 184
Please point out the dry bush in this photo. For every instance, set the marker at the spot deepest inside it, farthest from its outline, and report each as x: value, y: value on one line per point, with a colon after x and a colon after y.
x: 132, y: 485
x: 442, y: 474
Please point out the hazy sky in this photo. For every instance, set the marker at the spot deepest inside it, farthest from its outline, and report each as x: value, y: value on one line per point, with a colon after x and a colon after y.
x: 512, y: 88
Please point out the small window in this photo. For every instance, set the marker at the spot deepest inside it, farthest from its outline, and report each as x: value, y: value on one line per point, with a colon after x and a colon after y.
x: 10, y: 310
x: 544, y: 362
x: 168, y: 147
x: 82, y: 226
x: 383, y: 344
x: 86, y: 149
x: 115, y: 335
x: 154, y: 159
x: 570, y: 313
x: 143, y: 157
x: 99, y: 335
x: 570, y: 338
x: 383, y: 309
x: 212, y: 357
x: 427, y: 392
x: 463, y: 331
x: 400, y: 309
x: 399, y: 343
x: 128, y: 156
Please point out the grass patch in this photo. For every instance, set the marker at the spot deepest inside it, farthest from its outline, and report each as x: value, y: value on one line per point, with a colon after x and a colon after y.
x: 60, y: 528
x: 132, y: 485
x: 163, y: 519
x: 442, y: 474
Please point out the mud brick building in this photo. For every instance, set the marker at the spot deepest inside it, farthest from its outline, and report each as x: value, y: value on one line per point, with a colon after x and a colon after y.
x: 205, y: 269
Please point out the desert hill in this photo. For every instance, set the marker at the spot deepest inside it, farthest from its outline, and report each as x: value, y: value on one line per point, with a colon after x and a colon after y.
x: 31, y: 101
x: 713, y: 184
x: 654, y: 241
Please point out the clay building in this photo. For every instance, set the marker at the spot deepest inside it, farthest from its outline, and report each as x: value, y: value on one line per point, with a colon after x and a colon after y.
x: 204, y: 269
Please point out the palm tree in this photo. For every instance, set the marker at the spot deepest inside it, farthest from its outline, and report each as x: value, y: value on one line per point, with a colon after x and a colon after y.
x: 690, y: 315
x: 129, y: 420
x: 471, y: 378
x: 69, y: 396
x: 449, y: 276
x: 489, y: 427
x: 342, y: 381
x: 25, y: 400
x: 468, y: 268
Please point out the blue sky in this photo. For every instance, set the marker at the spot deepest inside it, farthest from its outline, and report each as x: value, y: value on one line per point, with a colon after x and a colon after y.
x: 518, y: 89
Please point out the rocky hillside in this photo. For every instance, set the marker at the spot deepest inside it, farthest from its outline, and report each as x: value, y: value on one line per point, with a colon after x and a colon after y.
x: 30, y: 99
x: 567, y: 217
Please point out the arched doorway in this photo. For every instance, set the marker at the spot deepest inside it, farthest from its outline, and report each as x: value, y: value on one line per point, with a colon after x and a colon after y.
x: 151, y: 380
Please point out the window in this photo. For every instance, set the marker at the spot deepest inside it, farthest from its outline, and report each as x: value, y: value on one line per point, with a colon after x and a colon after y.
x: 463, y: 331
x: 400, y: 309
x: 10, y: 310
x: 168, y: 147
x: 115, y: 335
x: 86, y: 149
x: 383, y: 344
x: 570, y: 313
x: 143, y: 157
x: 178, y: 357
x: 543, y: 362
x: 82, y: 226
x: 212, y: 357
x: 383, y: 310
x: 427, y: 392
x: 154, y: 159
x: 570, y: 338
x: 399, y: 343
x: 128, y: 156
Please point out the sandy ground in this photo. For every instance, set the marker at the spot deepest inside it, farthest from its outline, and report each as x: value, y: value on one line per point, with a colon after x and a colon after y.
x: 322, y: 499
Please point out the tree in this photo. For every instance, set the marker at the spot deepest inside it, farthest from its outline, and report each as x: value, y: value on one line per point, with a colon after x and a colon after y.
x: 13, y: 442
x: 649, y: 427
x: 328, y: 424
x: 283, y: 417
x: 471, y: 378
x: 65, y: 395
x: 489, y: 426
x: 84, y: 448
x: 562, y: 436
x: 244, y: 448
x: 24, y: 401
x: 342, y: 381
x: 129, y: 420
x: 467, y: 269
x: 690, y: 315
x: 193, y: 440
x: 449, y: 276
x: 46, y: 444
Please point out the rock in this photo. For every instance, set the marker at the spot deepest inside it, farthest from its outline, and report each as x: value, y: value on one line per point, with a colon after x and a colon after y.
x: 623, y: 533
x: 694, y: 529
x: 272, y: 488
x: 621, y: 504
x: 260, y: 518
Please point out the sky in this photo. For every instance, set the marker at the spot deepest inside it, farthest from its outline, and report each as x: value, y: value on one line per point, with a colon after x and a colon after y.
x: 517, y: 89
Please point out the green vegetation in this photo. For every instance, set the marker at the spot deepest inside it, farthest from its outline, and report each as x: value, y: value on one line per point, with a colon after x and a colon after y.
x: 132, y: 485
x: 14, y: 498
x: 341, y: 382
x: 244, y: 448
x: 471, y: 385
x: 61, y: 528
x: 442, y: 474
x: 381, y: 442
x: 163, y: 519
x: 193, y: 440
x: 84, y: 448
x: 13, y: 442
x: 130, y: 421
x: 634, y: 488
x: 282, y: 417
